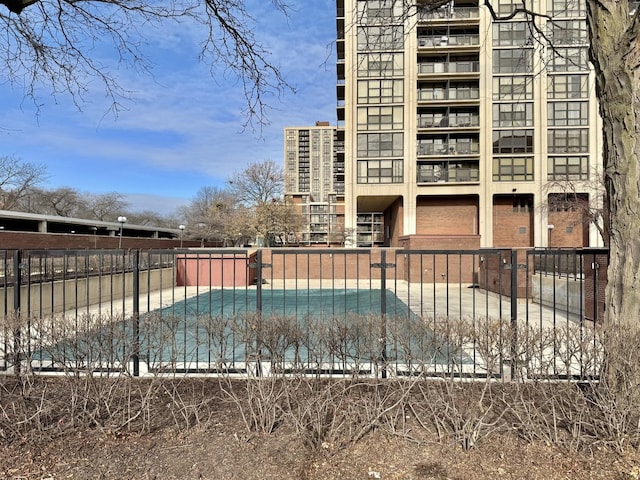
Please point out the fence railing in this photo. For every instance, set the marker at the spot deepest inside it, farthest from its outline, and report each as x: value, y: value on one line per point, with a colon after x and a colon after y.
x: 375, y: 312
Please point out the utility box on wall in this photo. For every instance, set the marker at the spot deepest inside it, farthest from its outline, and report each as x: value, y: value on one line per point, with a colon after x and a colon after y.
x: 233, y: 269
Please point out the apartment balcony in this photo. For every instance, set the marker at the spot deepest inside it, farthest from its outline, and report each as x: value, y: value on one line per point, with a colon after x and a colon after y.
x: 441, y: 41
x: 340, y: 49
x: 451, y: 149
x: 448, y: 94
x: 446, y: 172
x: 447, y: 14
x: 440, y: 68
x: 340, y: 71
x: 449, y: 121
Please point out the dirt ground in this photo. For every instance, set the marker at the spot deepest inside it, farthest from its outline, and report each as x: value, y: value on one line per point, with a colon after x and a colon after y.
x: 223, y: 454
x: 223, y: 448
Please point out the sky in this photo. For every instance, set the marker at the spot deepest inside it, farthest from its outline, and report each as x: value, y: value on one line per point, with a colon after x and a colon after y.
x: 180, y: 129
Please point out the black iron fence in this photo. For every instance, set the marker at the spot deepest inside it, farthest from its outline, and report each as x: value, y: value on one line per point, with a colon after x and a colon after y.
x: 367, y: 312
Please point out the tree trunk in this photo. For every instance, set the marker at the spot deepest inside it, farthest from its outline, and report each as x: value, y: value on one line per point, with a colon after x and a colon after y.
x: 615, y: 54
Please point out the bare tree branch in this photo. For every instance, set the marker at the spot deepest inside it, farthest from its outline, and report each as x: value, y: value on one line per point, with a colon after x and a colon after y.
x: 54, y: 44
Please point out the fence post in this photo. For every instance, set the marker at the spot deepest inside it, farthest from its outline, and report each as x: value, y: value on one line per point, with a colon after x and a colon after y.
x: 17, y: 331
x: 259, y: 312
x: 514, y: 313
x: 383, y: 265
x: 136, y: 313
x: 383, y: 310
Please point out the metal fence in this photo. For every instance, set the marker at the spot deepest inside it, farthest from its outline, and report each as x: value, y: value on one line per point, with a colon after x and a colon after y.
x: 367, y: 312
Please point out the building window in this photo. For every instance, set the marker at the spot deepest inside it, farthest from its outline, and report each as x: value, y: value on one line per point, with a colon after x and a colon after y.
x: 567, y: 8
x: 375, y: 11
x: 507, y: 7
x: 568, y: 168
x: 380, y: 171
x: 568, y: 202
x: 568, y: 32
x: 515, y: 60
x: 567, y: 59
x: 380, y: 91
x: 380, y: 65
x: 522, y: 204
x: 512, y: 88
x: 568, y: 140
x: 513, y: 115
x: 512, y: 169
x: 511, y: 34
x: 380, y: 38
x: 380, y: 118
x: 568, y: 114
x: 513, y: 141
x: 567, y: 86
x: 380, y: 144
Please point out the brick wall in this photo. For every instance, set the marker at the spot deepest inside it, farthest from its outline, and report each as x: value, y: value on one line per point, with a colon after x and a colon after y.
x: 286, y: 264
x: 495, y: 269
x: 440, y: 268
x: 570, y: 229
x: 450, y: 215
x: 34, y: 241
x: 512, y: 226
x: 393, y: 219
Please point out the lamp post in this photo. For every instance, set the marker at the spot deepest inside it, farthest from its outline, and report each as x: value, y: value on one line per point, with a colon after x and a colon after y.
x: 201, y: 227
x: 94, y: 229
x: 121, y: 221
x: 549, y: 229
x: 181, y: 227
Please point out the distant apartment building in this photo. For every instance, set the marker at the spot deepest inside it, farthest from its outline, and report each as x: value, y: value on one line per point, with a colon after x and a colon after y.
x: 314, y: 181
x: 456, y: 129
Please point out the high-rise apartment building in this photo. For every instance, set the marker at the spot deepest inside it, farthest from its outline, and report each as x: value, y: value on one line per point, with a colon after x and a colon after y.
x: 460, y: 129
x: 314, y: 180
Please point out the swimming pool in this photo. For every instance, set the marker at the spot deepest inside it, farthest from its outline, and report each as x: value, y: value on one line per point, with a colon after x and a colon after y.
x: 313, y: 327
x: 306, y: 302
x: 330, y: 330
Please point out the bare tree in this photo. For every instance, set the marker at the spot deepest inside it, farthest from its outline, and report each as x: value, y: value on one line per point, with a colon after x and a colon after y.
x: 17, y: 178
x: 258, y: 183
x: 64, y: 202
x: 212, y: 216
x: 53, y: 43
x: 149, y: 217
x: 104, y: 206
x: 278, y: 222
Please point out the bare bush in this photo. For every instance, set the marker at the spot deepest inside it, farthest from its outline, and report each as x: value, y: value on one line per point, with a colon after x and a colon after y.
x: 272, y: 371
